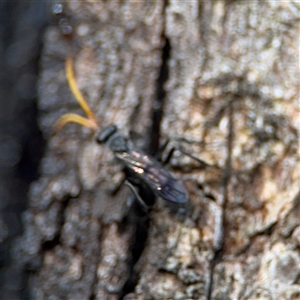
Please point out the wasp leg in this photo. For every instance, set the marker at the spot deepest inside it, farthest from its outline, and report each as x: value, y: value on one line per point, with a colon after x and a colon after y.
x: 136, y: 194
x: 166, y: 159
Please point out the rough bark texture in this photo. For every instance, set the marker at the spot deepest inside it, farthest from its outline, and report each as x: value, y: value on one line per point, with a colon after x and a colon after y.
x: 231, y: 98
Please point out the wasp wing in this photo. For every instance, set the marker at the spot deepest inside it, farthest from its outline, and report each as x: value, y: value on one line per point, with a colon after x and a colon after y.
x: 151, y: 172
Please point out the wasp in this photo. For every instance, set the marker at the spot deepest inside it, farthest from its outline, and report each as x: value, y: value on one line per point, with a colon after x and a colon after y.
x: 143, y: 169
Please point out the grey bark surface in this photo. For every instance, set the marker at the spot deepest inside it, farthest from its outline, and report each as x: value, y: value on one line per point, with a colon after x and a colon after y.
x: 231, y: 99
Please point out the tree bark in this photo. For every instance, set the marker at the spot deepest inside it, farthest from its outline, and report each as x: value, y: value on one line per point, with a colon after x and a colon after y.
x: 219, y: 78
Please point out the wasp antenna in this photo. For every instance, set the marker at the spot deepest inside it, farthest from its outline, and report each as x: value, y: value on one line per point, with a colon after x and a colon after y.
x: 63, y: 120
x: 77, y: 94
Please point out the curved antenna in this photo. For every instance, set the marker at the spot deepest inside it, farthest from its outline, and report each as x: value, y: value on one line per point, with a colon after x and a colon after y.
x: 91, y: 120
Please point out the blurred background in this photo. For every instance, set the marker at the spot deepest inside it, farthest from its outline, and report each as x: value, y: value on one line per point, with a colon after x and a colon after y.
x: 21, y: 143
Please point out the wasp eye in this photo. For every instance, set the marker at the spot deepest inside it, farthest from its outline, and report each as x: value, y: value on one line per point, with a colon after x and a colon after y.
x: 106, y: 133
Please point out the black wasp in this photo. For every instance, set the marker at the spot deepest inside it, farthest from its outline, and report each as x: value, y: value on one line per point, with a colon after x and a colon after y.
x: 146, y: 171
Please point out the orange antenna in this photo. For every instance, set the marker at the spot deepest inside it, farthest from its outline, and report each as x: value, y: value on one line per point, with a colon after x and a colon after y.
x: 91, y: 120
